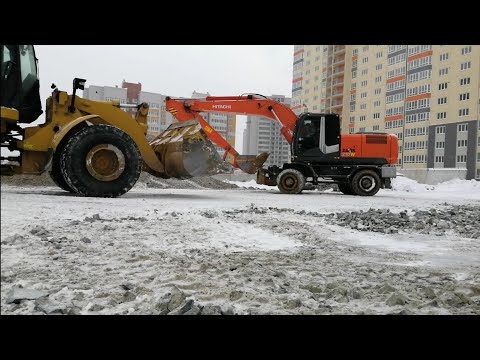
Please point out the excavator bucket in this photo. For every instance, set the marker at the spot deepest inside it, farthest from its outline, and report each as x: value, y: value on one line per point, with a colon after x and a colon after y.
x: 251, y: 163
x: 186, y: 151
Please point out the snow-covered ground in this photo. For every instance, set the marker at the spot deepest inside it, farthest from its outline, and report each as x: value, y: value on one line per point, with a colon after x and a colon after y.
x: 240, y: 251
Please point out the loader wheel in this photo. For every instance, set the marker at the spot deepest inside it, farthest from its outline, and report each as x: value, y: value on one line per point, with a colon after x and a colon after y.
x: 291, y: 181
x: 56, y: 173
x: 366, y: 183
x: 345, y: 188
x: 101, y: 161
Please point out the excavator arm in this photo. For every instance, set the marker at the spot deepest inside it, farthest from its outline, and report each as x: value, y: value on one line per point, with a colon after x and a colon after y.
x: 190, y: 109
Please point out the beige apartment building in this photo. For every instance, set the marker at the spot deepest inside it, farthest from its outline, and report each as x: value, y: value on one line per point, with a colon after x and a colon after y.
x: 428, y: 95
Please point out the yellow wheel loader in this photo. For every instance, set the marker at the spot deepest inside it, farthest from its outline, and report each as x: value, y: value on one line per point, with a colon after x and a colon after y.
x: 92, y: 148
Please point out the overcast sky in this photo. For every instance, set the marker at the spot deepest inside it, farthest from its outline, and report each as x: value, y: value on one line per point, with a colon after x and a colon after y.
x: 171, y: 70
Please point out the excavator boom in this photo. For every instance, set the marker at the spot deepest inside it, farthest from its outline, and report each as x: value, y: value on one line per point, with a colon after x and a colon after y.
x: 189, y: 109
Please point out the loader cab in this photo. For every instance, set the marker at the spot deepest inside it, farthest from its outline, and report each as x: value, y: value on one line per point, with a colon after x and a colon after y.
x: 316, y: 138
x: 19, y: 83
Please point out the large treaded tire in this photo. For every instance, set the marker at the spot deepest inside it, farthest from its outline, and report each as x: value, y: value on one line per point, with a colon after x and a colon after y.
x: 56, y: 172
x: 74, y: 168
x: 366, y: 183
x: 291, y: 181
x: 345, y: 188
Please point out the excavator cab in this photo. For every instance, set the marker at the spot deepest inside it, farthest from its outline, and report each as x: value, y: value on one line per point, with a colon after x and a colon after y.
x: 19, y: 85
x: 317, y: 138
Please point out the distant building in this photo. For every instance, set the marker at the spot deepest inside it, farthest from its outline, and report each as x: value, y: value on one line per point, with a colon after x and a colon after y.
x: 130, y: 93
x: 428, y: 95
x: 263, y: 135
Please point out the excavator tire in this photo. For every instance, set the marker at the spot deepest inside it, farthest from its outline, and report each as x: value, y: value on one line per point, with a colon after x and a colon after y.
x: 56, y: 173
x: 291, y: 181
x: 345, y: 188
x: 366, y: 183
x: 101, y: 161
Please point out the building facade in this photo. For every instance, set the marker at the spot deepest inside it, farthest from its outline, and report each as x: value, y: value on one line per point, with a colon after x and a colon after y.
x: 263, y: 135
x: 428, y: 95
x: 130, y: 93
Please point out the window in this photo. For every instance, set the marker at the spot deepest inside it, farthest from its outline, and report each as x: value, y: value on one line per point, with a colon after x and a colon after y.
x: 461, y: 143
x: 419, y: 159
x: 440, y: 145
x: 394, y: 48
x: 354, y: 74
x: 396, y: 72
x: 354, y: 86
x: 365, y: 60
x: 355, y: 52
x: 461, y: 158
x: 439, y: 159
x: 466, y: 50
x: 464, y: 97
x: 352, y: 119
x: 442, y: 86
x: 420, y: 62
x: 396, y: 59
x: 443, y: 72
x: 441, y: 115
x: 362, y: 118
x: 351, y: 130
x: 442, y: 100
x: 464, y: 81
x: 376, y: 127
x: 378, y: 91
x: 462, y: 127
x: 466, y: 65
x: 379, y: 54
x: 363, y: 95
x: 362, y: 129
x: 396, y: 85
x: 353, y: 97
x: 400, y: 136
x: 376, y: 115
x: 352, y: 107
x: 364, y: 83
x: 364, y: 71
x: 378, y: 79
x: 363, y: 106
x: 440, y: 130
x: 425, y: 74
x: 365, y: 48
x: 376, y: 103
x: 463, y: 112
x: 378, y: 67
x: 444, y: 57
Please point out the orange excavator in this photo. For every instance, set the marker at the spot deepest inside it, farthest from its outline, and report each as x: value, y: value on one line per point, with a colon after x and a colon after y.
x: 360, y: 164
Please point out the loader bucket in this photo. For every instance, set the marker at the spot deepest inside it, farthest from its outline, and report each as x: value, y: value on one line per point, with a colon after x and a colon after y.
x: 186, y: 151
x: 251, y: 163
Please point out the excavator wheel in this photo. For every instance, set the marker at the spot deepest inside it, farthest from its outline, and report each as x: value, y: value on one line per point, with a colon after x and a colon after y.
x: 291, y: 181
x: 101, y: 161
x: 56, y: 173
x: 345, y: 188
x: 366, y: 183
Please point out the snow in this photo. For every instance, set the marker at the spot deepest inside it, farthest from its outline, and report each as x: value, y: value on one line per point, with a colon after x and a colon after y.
x: 216, y: 244
x: 458, y: 186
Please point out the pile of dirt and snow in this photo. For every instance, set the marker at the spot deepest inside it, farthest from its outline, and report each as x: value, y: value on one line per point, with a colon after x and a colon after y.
x: 146, y: 180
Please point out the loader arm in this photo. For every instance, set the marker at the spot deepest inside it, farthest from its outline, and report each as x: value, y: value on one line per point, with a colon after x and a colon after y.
x: 189, y: 109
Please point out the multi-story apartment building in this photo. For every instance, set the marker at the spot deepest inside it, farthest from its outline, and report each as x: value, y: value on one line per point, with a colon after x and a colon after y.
x: 428, y: 95
x: 263, y: 135
x: 130, y: 93
x: 318, y: 75
x: 223, y: 123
